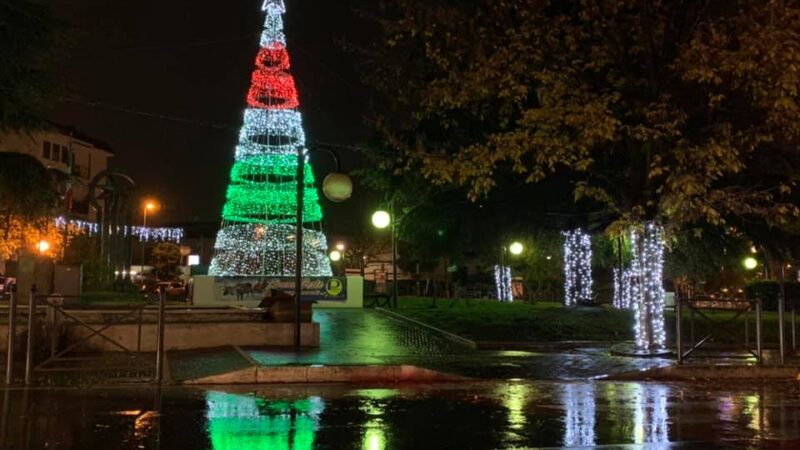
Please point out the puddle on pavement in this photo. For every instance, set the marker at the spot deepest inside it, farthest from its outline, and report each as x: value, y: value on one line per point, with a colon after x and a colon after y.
x: 476, y: 416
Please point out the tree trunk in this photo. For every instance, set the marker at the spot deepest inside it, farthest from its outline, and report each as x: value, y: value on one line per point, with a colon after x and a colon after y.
x: 647, y: 243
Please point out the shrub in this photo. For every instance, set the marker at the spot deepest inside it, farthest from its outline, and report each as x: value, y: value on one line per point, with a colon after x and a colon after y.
x: 768, y: 292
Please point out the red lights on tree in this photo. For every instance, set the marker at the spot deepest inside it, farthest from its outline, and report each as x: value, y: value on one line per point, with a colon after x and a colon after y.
x: 272, y: 86
x: 272, y: 89
x: 274, y: 57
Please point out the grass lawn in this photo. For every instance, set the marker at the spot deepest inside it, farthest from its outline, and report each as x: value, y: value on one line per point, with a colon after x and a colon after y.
x: 488, y: 320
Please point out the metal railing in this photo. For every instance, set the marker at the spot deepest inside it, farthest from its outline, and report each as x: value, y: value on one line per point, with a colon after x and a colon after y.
x: 55, y: 311
x: 699, y: 307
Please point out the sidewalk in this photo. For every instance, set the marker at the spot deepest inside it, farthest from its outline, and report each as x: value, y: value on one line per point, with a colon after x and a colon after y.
x: 358, y: 338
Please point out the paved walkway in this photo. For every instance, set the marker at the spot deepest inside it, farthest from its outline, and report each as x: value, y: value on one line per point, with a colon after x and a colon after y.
x: 368, y: 337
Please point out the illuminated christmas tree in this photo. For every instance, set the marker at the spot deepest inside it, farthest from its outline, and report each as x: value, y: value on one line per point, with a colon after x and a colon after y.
x: 258, y: 221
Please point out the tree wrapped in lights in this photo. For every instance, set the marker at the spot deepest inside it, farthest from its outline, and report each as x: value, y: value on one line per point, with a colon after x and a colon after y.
x: 622, y: 288
x: 502, y: 282
x: 577, y: 267
x: 258, y: 229
x: 646, y: 286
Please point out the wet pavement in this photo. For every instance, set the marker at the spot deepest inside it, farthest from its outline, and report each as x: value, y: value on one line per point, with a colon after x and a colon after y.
x: 485, y: 415
x: 370, y: 337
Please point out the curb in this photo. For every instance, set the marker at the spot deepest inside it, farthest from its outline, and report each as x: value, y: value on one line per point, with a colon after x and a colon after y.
x: 710, y: 372
x: 317, y: 374
x: 453, y: 337
x: 542, y: 346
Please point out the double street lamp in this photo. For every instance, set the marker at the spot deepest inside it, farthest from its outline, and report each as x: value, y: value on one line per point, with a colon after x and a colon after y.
x: 337, y: 188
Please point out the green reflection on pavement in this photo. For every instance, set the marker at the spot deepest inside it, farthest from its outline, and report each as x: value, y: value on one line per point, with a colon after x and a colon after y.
x: 243, y: 422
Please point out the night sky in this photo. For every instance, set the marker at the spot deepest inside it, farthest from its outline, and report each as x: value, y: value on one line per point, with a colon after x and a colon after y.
x: 136, y: 66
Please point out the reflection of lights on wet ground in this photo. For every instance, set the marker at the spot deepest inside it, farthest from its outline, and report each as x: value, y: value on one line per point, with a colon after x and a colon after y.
x: 374, y: 438
x: 727, y: 409
x: 650, y: 415
x: 130, y: 412
x: 515, y: 396
x: 243, y: 422
x: 145, y: 423
x: 374, y: 407
x: 579, y: 419
x: 753, y: 409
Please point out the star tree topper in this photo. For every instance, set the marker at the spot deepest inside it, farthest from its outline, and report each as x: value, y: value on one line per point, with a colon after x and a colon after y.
x: 274, y: 5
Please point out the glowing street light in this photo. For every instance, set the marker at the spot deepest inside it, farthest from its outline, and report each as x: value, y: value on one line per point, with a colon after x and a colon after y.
x: 43, y: 246
x: 750, y: 263
x: 516, y: 248
x: 336, y: 256
x: 340, y: 246
x: 381, y: 219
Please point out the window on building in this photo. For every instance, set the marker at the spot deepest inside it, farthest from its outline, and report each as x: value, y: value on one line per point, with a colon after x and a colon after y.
x: 65, y: 155
x: 46, y: 150
x: 56, y: 153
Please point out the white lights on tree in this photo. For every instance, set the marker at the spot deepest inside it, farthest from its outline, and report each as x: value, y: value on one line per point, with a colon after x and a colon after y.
x: 256, y: 249
x: 270, y: 131
x: 273, y: 28
x: 502, y: 281
x: 577, y: 267
x: 647, y: 290
x: 623, y: 283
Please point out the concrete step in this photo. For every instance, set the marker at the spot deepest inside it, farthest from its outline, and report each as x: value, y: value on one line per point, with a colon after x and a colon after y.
x: 327, y: 374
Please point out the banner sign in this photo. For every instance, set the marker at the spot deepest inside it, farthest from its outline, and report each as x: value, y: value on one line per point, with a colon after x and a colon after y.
x: 258, y: 287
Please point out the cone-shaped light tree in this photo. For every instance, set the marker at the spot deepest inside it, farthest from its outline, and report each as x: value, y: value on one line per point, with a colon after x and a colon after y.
x: 258, y: 220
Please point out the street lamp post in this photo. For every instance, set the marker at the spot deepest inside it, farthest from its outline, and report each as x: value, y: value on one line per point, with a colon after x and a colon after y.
x: 515, y: 248
x: 149, y: 205
x: 337, y: 188
x: 381, y: 220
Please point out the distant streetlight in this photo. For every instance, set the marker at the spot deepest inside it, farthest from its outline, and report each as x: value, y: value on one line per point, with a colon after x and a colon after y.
x: 43, y: 246
x: 340, y: 246
x: 750, y: 263
x: 336, y: 256
x: 516, y: 248
x: 381, y: 219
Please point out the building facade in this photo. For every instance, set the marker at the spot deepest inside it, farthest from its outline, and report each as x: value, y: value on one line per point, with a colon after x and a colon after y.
x: 66, y: 150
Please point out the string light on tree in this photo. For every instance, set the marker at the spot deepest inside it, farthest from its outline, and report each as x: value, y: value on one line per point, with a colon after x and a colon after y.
x: 577, y: 267
x: 622, y: 288
x: 258, y: 233
x: 502, y: 282
x: 647, y: 290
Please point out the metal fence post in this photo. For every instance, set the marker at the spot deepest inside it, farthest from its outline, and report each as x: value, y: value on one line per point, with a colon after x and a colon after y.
x: 781, y: 309
x: 12, y: 333
x: 162, y: 300
x: 759, y: 339
x: 31, y: 333
x: 678, y: 328
x: 794, y: 327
